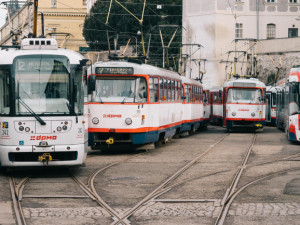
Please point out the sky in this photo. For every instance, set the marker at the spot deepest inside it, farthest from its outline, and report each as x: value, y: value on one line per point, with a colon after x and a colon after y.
x: 2, y: 14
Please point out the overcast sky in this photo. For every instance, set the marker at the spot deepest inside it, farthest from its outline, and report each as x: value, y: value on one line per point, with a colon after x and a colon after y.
x: 2, y: 14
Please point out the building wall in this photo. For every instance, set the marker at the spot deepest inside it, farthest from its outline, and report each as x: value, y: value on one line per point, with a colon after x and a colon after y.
x: 67, y: 18
x: 212, y: 24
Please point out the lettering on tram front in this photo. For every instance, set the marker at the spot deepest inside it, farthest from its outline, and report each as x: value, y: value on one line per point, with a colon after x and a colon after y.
x: 42, y: 138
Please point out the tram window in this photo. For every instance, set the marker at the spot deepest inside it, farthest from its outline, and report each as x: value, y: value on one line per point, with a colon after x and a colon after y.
x: 161, y: 89
x: 169, y: 90
x: 188, y: 93
x: 173, y: 90
x: 78, y: 92
x: 4, y: 92
x: 176, y: 91
x: 273, y: 99
x: 153, y: 89
x: 165, y: 90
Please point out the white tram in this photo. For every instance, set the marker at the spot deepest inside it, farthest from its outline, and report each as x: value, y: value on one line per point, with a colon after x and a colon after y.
x: 132, y: 103
x: 192, y: 106
x: 244, y: 103
x: 288, y: 105
x: 41, y: 105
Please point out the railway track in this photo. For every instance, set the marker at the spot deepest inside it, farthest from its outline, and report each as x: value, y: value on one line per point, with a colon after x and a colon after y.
x: 17, y: 193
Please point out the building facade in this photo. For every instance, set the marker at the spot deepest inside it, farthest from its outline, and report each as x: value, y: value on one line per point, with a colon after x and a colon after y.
x: 226, y: 28
x: 63, y: 20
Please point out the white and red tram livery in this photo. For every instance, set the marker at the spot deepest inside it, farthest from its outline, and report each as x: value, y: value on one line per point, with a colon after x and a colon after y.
x: 216, y: 104
x: 244, y: 103
x: 41, y: 105
x: 288, y: 105
x: 271, y: 105
x: 132, y: 103
x: 192, y: 105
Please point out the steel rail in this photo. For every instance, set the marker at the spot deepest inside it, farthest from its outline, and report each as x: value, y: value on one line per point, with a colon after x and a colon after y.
x: 232, y: 197
x: 230, y: 191
x: 164, y: 184
x: 20, y: 218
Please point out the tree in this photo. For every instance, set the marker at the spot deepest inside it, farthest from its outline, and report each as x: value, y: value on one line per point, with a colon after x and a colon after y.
x: 157, y: 12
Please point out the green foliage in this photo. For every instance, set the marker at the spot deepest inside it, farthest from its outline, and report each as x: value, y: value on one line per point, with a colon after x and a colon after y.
x: 121, y: 23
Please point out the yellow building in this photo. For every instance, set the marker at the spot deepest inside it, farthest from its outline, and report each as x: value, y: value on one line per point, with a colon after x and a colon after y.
x: 63, y: 20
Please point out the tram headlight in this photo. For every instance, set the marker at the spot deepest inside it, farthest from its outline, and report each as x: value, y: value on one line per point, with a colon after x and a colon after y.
x: 21, y: 128
x: 128, y: 121
x: 233, y: 113
x: 58, y: 129
x: 27, y: 129
x: 253, y: 114
x: 95, y: 120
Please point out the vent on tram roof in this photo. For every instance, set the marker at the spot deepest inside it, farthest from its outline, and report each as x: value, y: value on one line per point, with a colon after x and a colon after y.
x: 38, y: 43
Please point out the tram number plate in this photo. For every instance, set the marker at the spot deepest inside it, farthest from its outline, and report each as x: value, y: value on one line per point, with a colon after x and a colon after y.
x: 43, y: 149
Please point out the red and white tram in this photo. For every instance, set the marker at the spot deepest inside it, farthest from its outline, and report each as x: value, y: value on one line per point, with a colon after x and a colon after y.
x: 133, y: 103
x: 271, y: 105
x: 244, y: 103
x: 192, y: 105
x: 288, y: 105
x: 41, y: 105
x: 216, y: 104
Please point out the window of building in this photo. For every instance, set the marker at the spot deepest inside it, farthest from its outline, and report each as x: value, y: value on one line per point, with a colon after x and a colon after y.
x: 53, y: 3
x: 293, y: 1
x: 84, y: 3
x: 270, y: 0
x: 271, y: 31
x: 238, y: 30
x: 293, y: 32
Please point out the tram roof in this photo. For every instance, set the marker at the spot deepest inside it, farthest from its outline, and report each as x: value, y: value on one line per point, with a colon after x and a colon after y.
x: 188, y: 80
x: 7, y: 56
x: 138, y: 69
x: 252, y: 82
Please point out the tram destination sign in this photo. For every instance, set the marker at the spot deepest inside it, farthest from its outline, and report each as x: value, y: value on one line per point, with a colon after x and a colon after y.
x: 40, y: 65
x: 114, y: 70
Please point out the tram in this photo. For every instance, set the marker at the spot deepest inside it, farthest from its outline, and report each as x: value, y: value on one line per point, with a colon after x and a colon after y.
x: 288, y: 103
x: 216, y: 104
x: 192, y: 106
x: 132, y: 103
x: 271, y: 93
x: 41, y: 98
x: 244, y: 103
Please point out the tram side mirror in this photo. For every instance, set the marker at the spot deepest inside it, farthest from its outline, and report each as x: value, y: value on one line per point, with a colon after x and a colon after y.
x: 91, y: 84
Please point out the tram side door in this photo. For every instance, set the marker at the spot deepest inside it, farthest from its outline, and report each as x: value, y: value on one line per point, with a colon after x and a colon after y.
x: 268, y: 107
x: 224, y: 96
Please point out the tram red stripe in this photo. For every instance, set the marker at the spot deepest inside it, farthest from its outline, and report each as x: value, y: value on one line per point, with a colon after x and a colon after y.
x: 244, y: 119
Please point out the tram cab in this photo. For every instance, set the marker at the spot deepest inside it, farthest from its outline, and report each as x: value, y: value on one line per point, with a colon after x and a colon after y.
x: 41, y: 105
x: 244, y: 103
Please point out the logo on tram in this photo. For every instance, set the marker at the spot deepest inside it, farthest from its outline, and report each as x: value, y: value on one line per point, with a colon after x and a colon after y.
x: 38, y: 138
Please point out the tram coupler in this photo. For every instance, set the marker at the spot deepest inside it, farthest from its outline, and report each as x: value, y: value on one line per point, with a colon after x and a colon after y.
x: 110, y: 141
x: 46, y: 157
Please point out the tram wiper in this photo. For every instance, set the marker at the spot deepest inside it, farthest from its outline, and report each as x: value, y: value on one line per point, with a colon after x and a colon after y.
x: 41, y: 121
x: 124, y: 100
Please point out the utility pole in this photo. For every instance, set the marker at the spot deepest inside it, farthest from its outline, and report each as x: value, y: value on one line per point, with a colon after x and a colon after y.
x: 257, y: 19
x: 36, y: 3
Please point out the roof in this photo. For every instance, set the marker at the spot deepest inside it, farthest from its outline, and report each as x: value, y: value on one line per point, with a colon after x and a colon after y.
x: 7, y: 56
x: 252, y: 82
x: 138, y: 69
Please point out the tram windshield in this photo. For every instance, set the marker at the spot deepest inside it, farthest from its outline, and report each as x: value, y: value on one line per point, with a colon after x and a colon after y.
x: 42, y: 84
x: 120, y: 89
x: 244, y: 95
